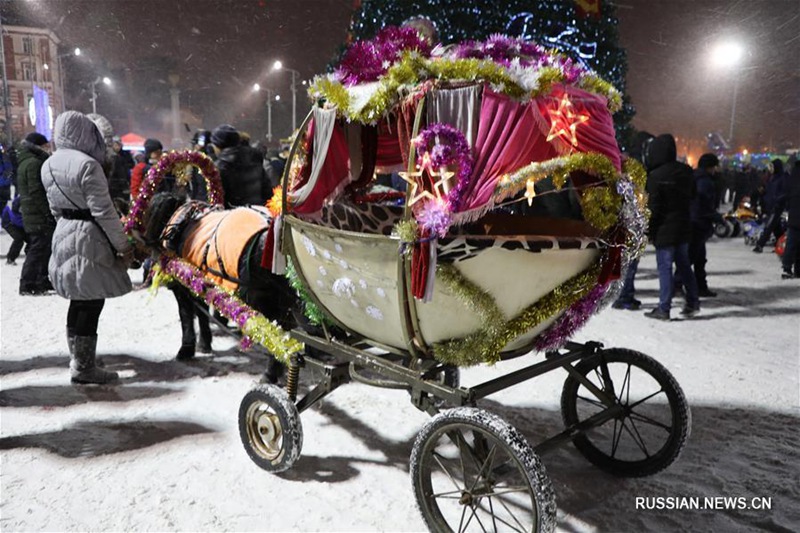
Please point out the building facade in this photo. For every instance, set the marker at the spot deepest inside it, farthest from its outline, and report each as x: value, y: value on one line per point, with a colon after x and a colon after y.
x: 31, y: 61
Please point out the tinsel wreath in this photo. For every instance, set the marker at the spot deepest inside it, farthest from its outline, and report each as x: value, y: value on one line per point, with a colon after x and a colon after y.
x: 175, y: 162
x: 253, y: 325
x: 438, y: 147
x: 484, y: 345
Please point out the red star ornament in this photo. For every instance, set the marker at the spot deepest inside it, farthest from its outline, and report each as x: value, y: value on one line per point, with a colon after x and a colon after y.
x: 564, y: 121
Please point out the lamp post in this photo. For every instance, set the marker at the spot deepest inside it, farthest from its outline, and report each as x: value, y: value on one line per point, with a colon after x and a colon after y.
x: 295, y: 74
x: 270, y: 93
x: 75, y: 53
x: 106, y: 81
x: 728, y: 54
x: 175, y: 103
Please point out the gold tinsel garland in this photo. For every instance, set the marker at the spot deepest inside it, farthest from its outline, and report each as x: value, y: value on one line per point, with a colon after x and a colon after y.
x: 484, y: 345
x: 600, y: 204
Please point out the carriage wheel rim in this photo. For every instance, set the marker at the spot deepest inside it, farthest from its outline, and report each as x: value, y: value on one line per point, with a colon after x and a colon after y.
x: 473, y: 495
x: 264, y: 431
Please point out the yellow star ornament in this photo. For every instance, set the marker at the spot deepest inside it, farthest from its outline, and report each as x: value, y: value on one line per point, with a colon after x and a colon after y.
x: 564, y: 121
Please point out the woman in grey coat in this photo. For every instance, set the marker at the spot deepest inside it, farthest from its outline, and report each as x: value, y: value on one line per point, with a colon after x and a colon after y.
x: 90, y: 250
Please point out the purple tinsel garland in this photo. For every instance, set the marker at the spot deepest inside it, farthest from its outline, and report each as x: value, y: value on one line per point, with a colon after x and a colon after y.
x: 573, y: 319
x: 367, y: 60
x: 503, y: 50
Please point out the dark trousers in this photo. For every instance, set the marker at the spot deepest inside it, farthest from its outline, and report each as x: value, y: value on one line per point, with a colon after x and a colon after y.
x: 34, y: 270
x: 83, y: 316
x: 19, y: 239
x: 791, y: 254
x: 628, y: 291
x: 773, y: 225
x: 666, y: 256
x: 187, y: 311
x: 697, y: 258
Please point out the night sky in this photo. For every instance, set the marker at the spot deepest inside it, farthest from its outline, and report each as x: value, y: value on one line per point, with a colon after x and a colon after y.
x: 221, y: 47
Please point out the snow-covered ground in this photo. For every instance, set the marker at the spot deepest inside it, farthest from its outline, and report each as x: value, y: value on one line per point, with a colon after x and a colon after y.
x: 161, y: 450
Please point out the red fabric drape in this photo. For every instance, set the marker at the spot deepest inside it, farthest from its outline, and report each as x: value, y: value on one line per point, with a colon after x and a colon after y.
x: 369, y: 149
x: 405, y: 124
x: 509, y: 137
x: 334, y: 173
x: 388, y: 153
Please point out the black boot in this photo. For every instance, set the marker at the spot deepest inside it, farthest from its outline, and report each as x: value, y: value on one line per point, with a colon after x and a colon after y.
x: 186, y: 352
x: 82, y: 366
x: 71, y: 344
x: 188, y: 337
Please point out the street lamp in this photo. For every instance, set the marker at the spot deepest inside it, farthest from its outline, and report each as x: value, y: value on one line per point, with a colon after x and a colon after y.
x: 270, y: 92
x: 295, y: 74
x: 106, y: 81
x: 728, y: 54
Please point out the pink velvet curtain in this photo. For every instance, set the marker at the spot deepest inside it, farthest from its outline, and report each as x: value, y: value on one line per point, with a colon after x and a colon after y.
x: 509, y: 137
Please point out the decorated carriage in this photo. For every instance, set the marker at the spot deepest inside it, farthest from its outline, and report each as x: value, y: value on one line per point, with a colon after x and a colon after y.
x: 518, y: 218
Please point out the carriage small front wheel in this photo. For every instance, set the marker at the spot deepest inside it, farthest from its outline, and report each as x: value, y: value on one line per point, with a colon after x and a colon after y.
x: 472, y: 471
x: 270, y: 428
x: 653, y: 420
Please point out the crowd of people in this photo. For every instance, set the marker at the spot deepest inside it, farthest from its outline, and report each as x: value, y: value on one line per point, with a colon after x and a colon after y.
x: 685, y: 205
x: 66, y: 214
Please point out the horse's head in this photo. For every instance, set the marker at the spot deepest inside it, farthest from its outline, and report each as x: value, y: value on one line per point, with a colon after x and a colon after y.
x: 157, y: 217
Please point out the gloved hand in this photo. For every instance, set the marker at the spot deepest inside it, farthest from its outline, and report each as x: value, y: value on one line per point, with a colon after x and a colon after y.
x: 125, y: 258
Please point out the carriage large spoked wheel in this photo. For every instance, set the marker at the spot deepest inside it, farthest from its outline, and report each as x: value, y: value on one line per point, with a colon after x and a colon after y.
x: 474, y: 472
x: 652, y: 426
x: 270, y: 429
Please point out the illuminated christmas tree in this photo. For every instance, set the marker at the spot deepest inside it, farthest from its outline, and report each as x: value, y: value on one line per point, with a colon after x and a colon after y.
x: 586, y: 30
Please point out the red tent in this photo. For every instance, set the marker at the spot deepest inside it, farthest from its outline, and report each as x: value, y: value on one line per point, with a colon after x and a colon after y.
x: 131, y: 141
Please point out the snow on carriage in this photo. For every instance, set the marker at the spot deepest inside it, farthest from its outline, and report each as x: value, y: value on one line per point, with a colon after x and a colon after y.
x: 518, y: 219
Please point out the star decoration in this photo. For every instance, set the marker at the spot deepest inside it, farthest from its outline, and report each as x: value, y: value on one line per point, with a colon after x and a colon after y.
x: 564, y: 122
x: 412, y: 178
x: 415, y: 180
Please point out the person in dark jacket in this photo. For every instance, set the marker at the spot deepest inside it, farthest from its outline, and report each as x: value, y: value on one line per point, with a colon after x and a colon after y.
x: 121, y: 163
x: 7, y: 170
x: 12, y: 223
x: 791, y: 254
x: 703, y: 214
x: 36, y: 217
x: 241, y: 169
x: 627, y: 294
x: 774, y: 202
x: 670, y: 186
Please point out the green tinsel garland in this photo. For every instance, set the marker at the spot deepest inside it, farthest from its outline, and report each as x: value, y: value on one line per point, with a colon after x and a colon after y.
x: 406, y: 230
x: 484, y: 345
x: 312, y: 311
